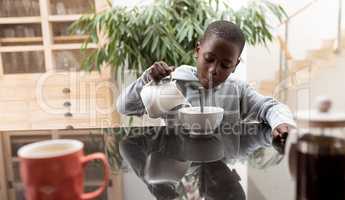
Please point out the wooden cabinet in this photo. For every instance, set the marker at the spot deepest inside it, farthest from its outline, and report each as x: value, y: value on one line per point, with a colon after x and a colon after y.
x: 80, y: 100
x: 93, y: 139
x: 3, y: 182
x: 12, y: 142
x: 43, y: 93
x: 42, y: 85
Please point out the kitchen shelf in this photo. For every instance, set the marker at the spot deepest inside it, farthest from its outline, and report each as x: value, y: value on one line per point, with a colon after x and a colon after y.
x: 18, y: 34
x: 66, y: 60
x: 57, y: 39
x: 63, y: 18
x: 20, y: 20
x: 25, y: 48
x: 71, y: 46
x: 21, y: 48
x: 67, y: 7
x: 62, y: 35
x: 70, y: 38
x: 21, y: 40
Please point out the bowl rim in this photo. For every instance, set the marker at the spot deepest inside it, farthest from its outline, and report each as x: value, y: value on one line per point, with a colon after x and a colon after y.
x: 217, y: 110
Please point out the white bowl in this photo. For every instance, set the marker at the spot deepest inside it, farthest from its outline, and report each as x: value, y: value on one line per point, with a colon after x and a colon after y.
x: 193, y: 119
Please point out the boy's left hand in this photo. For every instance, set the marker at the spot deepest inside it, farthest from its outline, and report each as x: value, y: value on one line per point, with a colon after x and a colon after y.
x: 280, y: 129
x: 280, y: 134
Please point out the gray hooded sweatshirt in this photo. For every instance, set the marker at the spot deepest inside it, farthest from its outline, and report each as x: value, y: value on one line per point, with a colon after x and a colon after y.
x: 241, y: 104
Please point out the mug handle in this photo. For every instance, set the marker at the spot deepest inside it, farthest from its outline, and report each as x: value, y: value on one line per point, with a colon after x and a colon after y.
x: 106, y: 168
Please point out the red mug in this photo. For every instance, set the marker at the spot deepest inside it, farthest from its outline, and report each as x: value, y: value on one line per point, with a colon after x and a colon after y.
x: 54, y: 170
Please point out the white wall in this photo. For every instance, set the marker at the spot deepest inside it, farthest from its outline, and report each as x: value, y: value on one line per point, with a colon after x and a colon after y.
x: 327, y: 81
x: 306, y: 32
x: 276, y: 182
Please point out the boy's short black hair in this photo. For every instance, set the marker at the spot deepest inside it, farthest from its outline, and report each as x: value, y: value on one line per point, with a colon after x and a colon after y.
x: 226, y: 30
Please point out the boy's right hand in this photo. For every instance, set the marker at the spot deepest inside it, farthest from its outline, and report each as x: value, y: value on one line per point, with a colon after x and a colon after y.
x: 160, y: 70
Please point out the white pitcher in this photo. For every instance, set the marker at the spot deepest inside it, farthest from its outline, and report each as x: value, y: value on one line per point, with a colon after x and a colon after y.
x: 159, y: 98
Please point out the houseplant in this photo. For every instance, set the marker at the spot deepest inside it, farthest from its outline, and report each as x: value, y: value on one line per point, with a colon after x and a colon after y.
x: 168, y: 30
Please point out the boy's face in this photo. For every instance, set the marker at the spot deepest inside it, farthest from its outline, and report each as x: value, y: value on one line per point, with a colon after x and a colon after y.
x: 217, y: 58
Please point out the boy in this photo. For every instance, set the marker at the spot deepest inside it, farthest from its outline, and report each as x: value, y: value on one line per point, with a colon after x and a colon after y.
x: 218, y: 54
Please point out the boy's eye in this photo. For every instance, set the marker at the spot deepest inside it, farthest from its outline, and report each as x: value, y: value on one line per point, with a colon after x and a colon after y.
x: 208, y: 58
x: 225, y: 65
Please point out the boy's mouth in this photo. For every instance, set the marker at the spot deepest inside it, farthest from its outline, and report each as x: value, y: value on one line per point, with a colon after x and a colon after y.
x: 208, y: 84
x: 207, y: 81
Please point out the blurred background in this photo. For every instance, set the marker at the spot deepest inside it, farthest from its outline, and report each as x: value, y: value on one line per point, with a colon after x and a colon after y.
x: 63, y: 64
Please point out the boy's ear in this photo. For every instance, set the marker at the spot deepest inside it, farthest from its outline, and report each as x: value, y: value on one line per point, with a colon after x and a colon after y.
x: 197, y: 48
x: 233, y: 71
x: 238, y: 62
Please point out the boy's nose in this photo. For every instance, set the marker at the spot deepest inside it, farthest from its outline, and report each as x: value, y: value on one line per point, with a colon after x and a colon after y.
x: 213, y: 69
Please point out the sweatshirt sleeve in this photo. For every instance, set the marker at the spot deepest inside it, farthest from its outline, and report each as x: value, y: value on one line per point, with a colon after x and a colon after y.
x: 255, y: 106
x: 129, y: 102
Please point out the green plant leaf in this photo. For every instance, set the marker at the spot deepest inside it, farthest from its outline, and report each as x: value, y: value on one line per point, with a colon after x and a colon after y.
x: 154, y: 44
x: 169, y: 30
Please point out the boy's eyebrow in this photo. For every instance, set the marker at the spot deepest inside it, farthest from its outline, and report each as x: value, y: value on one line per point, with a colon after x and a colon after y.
x: 227, y: 60
x: 213, y: 54
x: 209, y: 53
